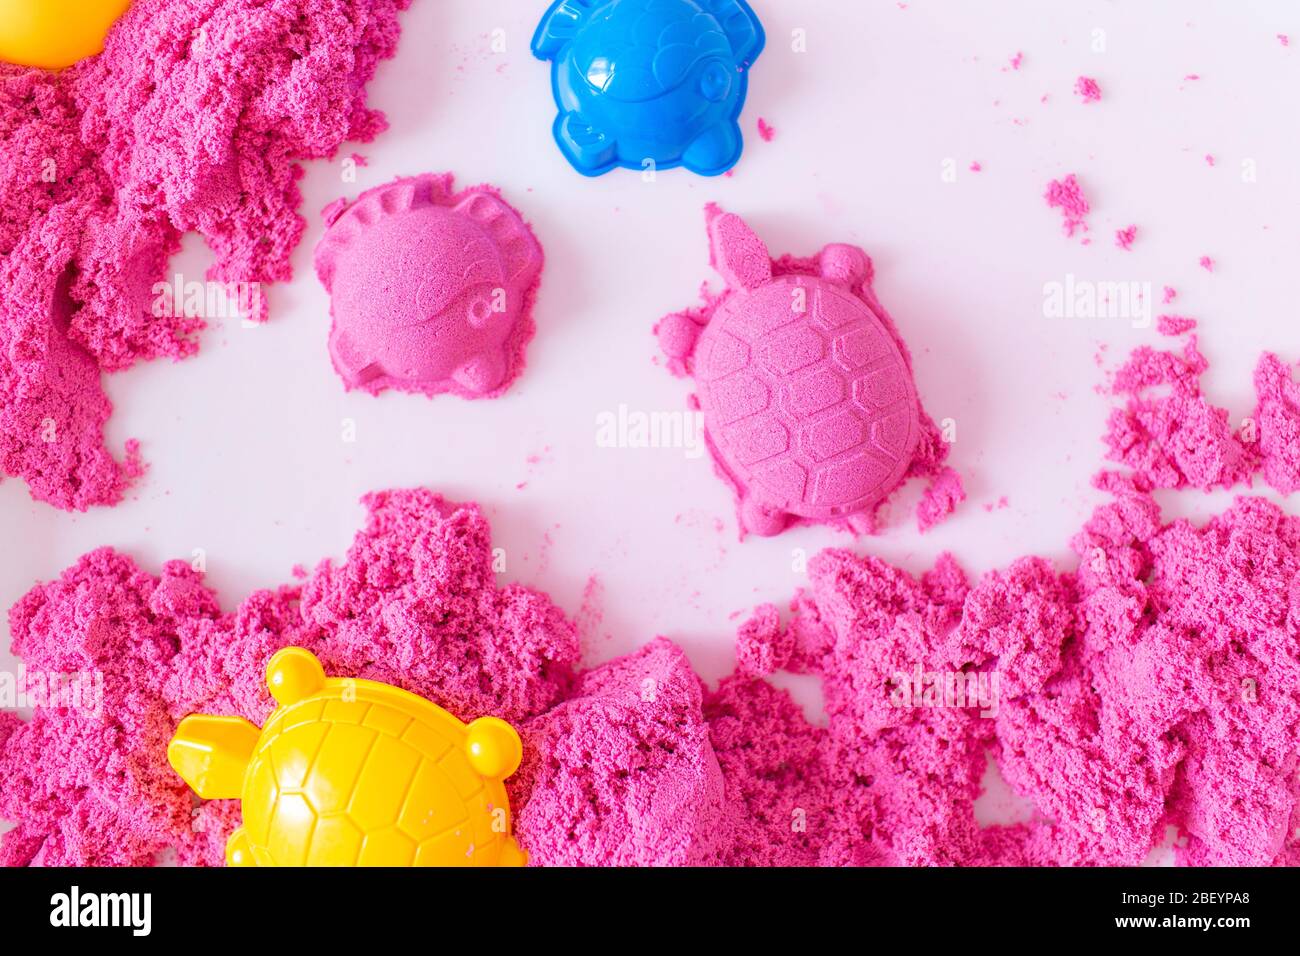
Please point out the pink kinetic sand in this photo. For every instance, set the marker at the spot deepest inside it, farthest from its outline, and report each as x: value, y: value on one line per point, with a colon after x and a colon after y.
x: 1067, y: 195
x: 1278, y: 417
x: 1149, y: 682
x: 430, y: 290
x: 1173, y: 325
x: 1088, y: 89
x: 763, y: 646
x: 1152, y: 685
x: 1124, y: 237
x: 1167, y: 432
x: 766, y: 130
x: 415, y: 604
x: 940, y: 500
x: 623, y: 773
x: 810, y: 411
x: 196, y: 117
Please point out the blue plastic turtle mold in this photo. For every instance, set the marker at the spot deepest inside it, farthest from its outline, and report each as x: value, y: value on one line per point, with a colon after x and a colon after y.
x: 649, y: 81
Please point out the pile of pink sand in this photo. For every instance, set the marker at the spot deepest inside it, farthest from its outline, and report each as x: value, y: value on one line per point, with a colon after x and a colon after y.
x: 1067, y: 195
x: 1171, y: 436
x: 194, y: 118
x: 1088, y: 89
x: 1152, y: 684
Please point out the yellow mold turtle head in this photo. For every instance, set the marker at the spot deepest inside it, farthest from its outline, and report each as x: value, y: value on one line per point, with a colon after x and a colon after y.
x: 354, y: 772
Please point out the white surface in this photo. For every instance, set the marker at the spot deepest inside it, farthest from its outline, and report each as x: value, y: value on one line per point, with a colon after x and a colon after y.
x: 244, y: 441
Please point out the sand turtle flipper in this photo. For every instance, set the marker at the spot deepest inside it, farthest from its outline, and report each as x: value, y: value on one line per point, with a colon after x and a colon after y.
x: 846, y: 266
x: 354, y: 366
x: 483, y: 373
x: 678, y: 335
x: 762, y: 519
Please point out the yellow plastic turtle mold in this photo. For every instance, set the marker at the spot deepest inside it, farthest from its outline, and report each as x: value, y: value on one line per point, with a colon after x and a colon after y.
x: 354, y: 773
x: 52, y: 34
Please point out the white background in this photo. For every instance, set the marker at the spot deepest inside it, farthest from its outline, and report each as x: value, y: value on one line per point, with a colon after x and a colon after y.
x: 243, y: 442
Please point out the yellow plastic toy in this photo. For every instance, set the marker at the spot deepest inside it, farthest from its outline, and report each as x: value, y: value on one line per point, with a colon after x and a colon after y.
x: 354, y: 773
x: 52, y: 34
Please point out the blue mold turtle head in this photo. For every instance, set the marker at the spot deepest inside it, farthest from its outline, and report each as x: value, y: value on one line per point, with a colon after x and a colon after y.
x: 649, y: 82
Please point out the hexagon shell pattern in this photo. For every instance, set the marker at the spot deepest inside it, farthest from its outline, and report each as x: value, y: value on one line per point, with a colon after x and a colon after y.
x: 814, y: 411
x: 305, y: 751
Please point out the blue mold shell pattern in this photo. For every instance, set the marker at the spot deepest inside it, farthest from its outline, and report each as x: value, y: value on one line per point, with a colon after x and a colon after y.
x: 641, y: 82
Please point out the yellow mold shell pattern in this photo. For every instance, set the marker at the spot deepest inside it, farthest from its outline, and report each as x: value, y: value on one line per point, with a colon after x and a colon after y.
x: 355, y: 773
x: 52, y: 34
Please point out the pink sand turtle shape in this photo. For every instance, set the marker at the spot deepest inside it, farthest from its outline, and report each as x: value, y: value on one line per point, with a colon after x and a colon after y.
x: 430, y: 291
x: 809, y: 406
